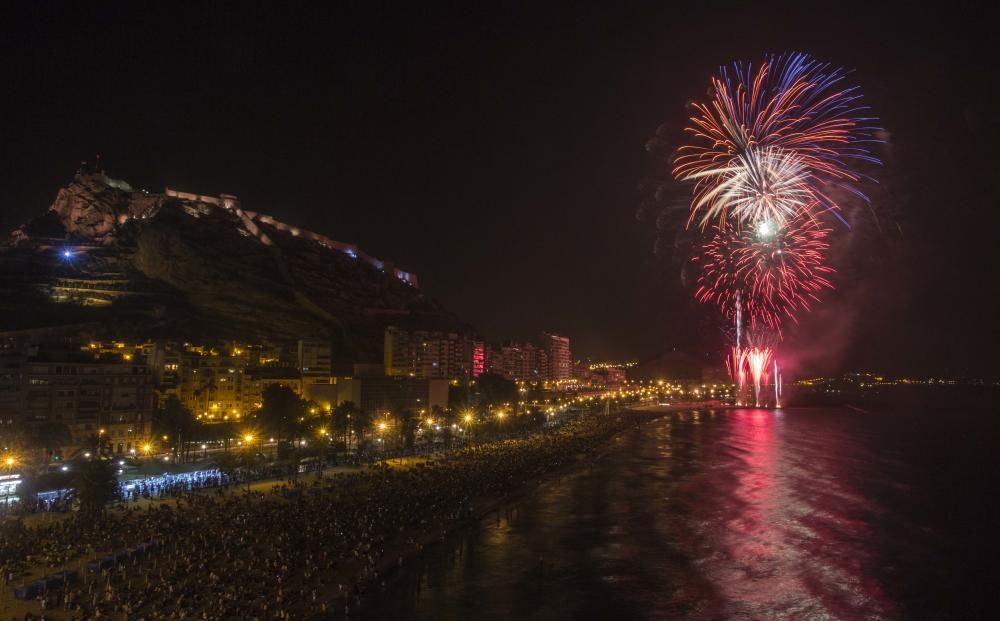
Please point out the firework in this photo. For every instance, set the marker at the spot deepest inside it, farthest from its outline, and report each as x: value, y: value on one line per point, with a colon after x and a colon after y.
x: 769, y: 271
x: 768, y: 154
x: 757, y: 359
x: 759, y: 184
x: 737, y: 370
x: 772, y: 138
x: 777, y: 385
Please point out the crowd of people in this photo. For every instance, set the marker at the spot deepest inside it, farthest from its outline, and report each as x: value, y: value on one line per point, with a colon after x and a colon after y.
x: 160, y: 486
x: 171, y: 485
x: 309, y: 548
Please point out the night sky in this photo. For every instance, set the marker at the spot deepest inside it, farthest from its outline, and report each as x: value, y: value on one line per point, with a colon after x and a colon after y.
x: 499, y: 151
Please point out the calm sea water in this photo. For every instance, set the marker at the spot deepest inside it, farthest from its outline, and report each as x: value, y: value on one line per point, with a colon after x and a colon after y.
x: 742, y: 514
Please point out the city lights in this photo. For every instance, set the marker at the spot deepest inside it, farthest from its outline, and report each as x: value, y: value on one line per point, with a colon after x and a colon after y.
x: 622, y: 390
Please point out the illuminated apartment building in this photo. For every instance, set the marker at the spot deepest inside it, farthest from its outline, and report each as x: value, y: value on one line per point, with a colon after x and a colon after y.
x: 432, y: 355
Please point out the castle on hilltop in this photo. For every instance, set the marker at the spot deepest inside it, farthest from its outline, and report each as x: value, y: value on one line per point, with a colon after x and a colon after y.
x: 92, y: 207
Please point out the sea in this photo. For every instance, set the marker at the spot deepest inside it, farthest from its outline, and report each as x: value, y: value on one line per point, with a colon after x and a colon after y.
x: 800, y: 513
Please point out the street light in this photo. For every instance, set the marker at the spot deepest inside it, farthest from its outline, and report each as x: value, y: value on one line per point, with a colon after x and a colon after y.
x: 248, y: 442
x: 9, y: 461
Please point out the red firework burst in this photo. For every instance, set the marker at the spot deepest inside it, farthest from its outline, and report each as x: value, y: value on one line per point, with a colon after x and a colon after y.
x: 777, y: 271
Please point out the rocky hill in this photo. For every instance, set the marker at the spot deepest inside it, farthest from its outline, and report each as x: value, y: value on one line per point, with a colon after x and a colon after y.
x: 111, y: 261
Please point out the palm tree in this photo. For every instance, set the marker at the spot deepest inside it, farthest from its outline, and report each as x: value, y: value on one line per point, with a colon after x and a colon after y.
x: 96, y: 485
x: 174, y: 418
x: 237, y: 461
x: 227, y: 463
x: 447, y: 418
x: 407, y: 423
x: 94, y: 444
x: 361, y: 421
x: 321, y: 417
x: 281, y: 410
x: 341, y: 420
x: 49, y: 437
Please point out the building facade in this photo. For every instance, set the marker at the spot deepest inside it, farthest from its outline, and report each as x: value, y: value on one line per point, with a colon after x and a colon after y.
x: 432, y: 355
x: 110, y: 399
x: 560, y: 360
x: 314, y: 360
x: 519, y: 362
x: 213, y: 386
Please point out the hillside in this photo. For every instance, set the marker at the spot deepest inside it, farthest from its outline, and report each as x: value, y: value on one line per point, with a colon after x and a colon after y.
x: 106, y: 260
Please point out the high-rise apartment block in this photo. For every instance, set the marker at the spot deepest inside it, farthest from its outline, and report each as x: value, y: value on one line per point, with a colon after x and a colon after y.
x: 432, y: 355
x: 560, y: 360
x: 550, y: 360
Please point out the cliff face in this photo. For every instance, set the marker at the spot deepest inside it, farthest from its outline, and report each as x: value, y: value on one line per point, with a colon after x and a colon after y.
x: 189, y: 267
x: 92, y: 206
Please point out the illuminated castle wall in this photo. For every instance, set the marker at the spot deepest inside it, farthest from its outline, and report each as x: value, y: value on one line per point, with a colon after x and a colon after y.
x: 250, y: 218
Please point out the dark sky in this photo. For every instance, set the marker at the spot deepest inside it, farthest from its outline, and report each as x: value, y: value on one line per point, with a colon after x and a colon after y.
x: 498, y: 150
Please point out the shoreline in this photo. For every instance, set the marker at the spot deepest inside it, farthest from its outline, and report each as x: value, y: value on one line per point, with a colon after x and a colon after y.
x: 354, y: 581
x: 388, y: 569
